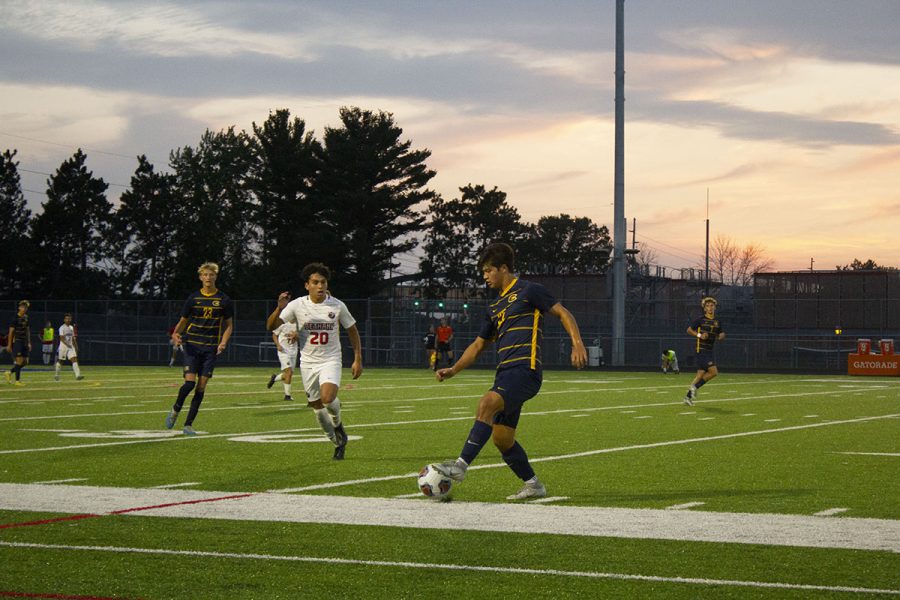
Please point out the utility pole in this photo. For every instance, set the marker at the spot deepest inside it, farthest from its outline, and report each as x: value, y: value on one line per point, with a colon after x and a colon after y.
x: 706, y: 292
x: 619, y: 224
x: 811, y: 263
x: 634, y: 233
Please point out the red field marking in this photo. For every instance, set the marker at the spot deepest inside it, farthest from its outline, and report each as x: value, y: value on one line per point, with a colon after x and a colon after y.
x: 116, y: 512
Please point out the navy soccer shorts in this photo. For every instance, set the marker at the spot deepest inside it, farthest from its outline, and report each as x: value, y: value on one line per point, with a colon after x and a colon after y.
x: 199, y: 361
x: 516, y: 386
x: 706, y: 359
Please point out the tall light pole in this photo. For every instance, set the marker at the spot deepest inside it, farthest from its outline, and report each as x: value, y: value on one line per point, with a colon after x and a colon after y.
x: 619, y: 224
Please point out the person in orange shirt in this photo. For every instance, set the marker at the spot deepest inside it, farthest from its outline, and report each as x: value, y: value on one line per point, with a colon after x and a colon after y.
x: 444, y: 343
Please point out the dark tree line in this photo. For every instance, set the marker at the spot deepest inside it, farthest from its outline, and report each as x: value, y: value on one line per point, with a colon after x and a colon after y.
x: 264, y: 203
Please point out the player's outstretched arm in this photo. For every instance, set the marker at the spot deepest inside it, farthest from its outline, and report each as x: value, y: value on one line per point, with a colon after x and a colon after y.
x: 465, y: 361
x: 274, y: 319
x: 579, y: 352
x: 356, y: 368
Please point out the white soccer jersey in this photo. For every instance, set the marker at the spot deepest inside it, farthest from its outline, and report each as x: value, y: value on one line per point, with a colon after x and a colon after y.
x: 67, y: 336
x: 282, y: 332
x: 320, y: 340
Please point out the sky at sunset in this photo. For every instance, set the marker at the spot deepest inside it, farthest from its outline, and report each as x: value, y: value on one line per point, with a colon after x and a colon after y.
x: 787, y: 113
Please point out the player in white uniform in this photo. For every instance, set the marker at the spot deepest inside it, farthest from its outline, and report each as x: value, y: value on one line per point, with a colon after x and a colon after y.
x: 317, y: 318
x: 287, y: 356
x: 68, y: 348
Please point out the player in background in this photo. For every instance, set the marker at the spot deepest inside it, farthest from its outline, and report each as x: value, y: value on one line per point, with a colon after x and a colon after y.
x: 48, y: 336
x: 18, y: 342
x: 670, y: 361
x: 317, y: 318
x: 514, y: 320
x: 286, y: 344
x: 707, y: 330
x: 207, y: 323
x: 430, y: 348
x: 444, y: 341
x: 68, y: 348
x: 176, y: 348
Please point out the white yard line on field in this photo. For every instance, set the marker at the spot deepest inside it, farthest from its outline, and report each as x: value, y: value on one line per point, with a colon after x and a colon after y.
x: 325, y: 560
x: 685, y: 505
x: 334, y: 484
x: 510, y: 517
x: 830, y: 512
x: 871, y: 453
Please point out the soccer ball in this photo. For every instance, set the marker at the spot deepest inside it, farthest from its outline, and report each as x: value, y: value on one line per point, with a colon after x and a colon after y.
x: 432, y: 483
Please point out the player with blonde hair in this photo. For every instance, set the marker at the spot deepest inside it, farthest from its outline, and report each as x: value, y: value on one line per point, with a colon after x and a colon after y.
x: 707, y: 330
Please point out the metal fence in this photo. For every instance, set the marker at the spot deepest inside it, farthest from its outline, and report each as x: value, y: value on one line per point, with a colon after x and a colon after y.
x: 393, y: 329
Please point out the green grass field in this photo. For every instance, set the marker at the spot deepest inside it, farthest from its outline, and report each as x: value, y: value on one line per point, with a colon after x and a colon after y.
x: 771, y: 486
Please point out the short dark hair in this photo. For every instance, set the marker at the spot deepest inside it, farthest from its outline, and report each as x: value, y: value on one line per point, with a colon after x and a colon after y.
x: 497, y: 255
x: 313, y: 268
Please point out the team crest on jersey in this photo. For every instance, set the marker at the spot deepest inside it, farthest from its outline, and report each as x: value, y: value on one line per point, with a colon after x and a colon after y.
x: 512, y: 298
x: 331, y: 315
x: 216, y: 303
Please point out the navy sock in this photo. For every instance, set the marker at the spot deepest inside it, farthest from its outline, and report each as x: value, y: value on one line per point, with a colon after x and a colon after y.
x: 517, y: 460
x: 17, y: 370
x: 183, y: 392
x: 700, y: 384
x: 195, y: 406
x: 478, y: 437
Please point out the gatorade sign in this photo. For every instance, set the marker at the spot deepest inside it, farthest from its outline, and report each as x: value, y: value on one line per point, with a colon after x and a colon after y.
x: 873, y: 364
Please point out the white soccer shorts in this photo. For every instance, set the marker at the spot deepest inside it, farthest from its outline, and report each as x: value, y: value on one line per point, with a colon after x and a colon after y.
x: 288, y: 359
x: 316, y: 375
x: 66, y: 353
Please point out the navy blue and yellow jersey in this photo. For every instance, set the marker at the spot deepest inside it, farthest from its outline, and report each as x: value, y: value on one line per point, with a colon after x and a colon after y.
x: 711, y: 326
x: 206, y: 316
x: 514, y: 322
x: 19, y: 325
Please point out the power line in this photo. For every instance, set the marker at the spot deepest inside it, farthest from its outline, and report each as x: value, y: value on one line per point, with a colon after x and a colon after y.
x: 31, y: 139
x: 50, y: 175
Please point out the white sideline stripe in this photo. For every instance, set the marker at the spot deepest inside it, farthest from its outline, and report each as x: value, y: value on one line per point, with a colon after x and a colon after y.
x: 175, y: 485
x: 831, y: 511
x: 685, y: 505
x: 682, y: 525
x: 871, y: 453
x: 548, y: 499
x: 52, y: 481
x: 725, y: 436
x: 458, y: 567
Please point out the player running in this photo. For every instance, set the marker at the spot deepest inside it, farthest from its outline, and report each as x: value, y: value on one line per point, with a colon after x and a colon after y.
x: 708, y: 330
x: 286, y: 345
x: 68, y: 348
x: 514, y: 320
x: 316, y: 318
x: 207, y: 323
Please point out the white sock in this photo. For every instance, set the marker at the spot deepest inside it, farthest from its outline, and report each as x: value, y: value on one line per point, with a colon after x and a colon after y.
x: 324, y: 420
x: 335, y: 409
x: 287, y: 389
x: 76, y: 369
x: 56, y: 369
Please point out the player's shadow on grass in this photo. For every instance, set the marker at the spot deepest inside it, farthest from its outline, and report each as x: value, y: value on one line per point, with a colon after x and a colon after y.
x: 715, y: 410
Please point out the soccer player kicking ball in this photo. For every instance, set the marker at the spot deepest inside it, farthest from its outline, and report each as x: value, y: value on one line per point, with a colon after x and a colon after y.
x: 514, y: 321
x: 708, y: 330
x: 316, y: 318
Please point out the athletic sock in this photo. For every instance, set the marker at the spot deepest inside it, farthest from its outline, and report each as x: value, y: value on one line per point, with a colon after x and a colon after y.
x: 183, y: 392
x: 287, y: 389
x: 478, y: 437
x: 195, y: 407
x: 517, y: 460
x: 334, y: 409
x: 324, y: 419
x: 699, y: 384
x: 56, y: 368
x: 17, y: 370
x: 76, y: 369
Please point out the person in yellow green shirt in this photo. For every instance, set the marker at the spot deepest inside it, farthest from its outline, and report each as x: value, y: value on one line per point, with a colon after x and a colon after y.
x: 48, y: 336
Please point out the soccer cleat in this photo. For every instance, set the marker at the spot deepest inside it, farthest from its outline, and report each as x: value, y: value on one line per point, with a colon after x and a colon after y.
x: 529, y: 490
x: 79, y: 377
x: 188, y: 430
x: 341, y: 435
x: 676, y: 371
x: 19, y: 384
x: 171, y: 418
x: 339, y: 451
x: 56, y: 377
x: 271, y: 381
x: 288, y: 398
x: 689, y: 397
x: 172, y: 363
x: 451, y: 469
